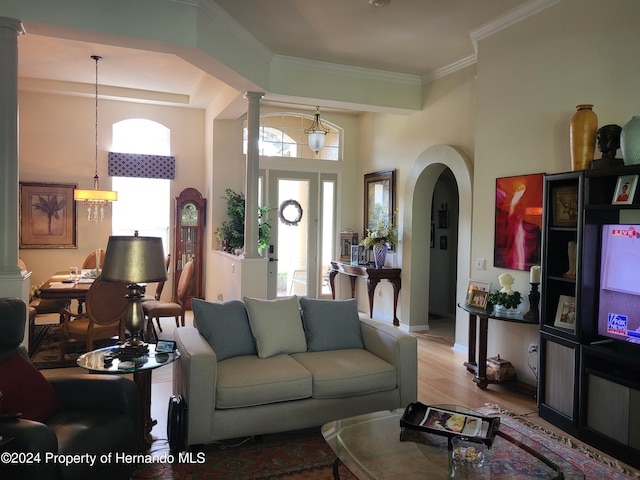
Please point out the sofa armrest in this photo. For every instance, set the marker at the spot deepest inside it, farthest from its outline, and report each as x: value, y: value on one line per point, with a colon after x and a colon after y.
x: 97, y: 392
x: 194, y: 377
x: 399, y: 349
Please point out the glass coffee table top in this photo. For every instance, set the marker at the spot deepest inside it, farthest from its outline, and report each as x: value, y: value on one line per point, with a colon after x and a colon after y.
x: 374, y: 446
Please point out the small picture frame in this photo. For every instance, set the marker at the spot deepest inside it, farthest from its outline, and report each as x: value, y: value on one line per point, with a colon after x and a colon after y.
x: 564, y: 204
x: 479, y: 299
x: 347, y: 239
x: 474, y: 286
x: 355, y: 254
x: 625, y: 190
x: 566, y: 313
x: 363, y: 255
x: 443, y: 242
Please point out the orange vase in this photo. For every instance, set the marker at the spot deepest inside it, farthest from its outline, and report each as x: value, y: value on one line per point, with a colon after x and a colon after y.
x: 583, y: 128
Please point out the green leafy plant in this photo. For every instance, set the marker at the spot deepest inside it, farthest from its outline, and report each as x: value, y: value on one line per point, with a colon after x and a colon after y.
x: 507, y: 300
x: 233, y: 228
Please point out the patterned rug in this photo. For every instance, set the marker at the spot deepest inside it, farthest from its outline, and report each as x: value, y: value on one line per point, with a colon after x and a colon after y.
x: 306, y: 456
x: 46, y: 353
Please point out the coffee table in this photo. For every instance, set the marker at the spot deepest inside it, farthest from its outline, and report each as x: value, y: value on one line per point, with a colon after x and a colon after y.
x: 141, y: 368
x: 373, y: 446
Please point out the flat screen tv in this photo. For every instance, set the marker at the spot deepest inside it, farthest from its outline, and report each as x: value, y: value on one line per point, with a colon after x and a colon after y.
x: 619, y: 298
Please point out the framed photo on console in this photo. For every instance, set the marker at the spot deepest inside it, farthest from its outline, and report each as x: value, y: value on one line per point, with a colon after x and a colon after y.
x: 477, y: 286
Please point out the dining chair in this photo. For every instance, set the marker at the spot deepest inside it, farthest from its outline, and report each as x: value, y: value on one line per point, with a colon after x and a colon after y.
x: 90, y: 261
x: 42, y: 306
x: 158, y: 309
x: 159, y: 285
x: 106, y: 307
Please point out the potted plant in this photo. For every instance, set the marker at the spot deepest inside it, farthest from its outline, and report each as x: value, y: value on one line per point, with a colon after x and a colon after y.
x: 231, y: 233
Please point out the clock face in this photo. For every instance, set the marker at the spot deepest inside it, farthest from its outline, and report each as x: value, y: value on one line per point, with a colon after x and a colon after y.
x: 189, y: 215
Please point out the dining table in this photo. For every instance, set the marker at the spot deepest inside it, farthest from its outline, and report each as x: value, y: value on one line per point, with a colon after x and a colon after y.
x: 61, y: 286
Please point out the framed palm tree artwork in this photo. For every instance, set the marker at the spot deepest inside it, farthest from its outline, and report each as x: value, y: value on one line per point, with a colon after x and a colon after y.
x: 47, y: 215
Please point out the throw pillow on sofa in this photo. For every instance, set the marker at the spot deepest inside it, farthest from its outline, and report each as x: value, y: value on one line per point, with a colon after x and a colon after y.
x: 331, y: 324
x: 276, y: 325
x: 225, y: 327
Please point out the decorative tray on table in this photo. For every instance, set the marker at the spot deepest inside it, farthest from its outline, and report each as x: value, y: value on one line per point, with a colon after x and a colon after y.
x: 450, y: 423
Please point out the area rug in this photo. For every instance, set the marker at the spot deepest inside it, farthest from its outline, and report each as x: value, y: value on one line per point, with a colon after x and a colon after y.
x: 306, y: 456
x: 288, y: 456
x: 46, y: 353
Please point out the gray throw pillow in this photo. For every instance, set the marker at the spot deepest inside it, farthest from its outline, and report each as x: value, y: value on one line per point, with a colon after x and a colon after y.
x: 225, y: 326
x: 331, y: 324
x: 276, y: 325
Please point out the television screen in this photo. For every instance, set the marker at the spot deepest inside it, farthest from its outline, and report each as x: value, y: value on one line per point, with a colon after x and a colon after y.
x: 619, y: 302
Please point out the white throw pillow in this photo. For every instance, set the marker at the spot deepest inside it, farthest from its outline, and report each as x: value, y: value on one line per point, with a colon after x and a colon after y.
x: 276, y: 325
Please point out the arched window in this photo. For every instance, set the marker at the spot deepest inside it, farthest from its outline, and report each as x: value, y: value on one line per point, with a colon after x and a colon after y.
x: 282, y: 135
x: 144, y: 203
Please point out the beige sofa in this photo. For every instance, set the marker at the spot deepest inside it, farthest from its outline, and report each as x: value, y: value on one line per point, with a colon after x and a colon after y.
x: 313, y: 361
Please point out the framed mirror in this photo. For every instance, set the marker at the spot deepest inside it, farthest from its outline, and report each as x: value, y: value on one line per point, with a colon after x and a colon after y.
x: 379, y: 198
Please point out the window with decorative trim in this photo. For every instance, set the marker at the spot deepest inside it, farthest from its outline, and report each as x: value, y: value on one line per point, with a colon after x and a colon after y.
x: 282, y: 135
x: 141, y: 170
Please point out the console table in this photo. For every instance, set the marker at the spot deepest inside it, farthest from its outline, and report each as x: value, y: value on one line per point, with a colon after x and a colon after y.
x: 372, y: 276
x: 479, y: 368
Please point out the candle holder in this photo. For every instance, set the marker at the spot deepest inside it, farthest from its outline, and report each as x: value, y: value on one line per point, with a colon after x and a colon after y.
x: 534, y: 299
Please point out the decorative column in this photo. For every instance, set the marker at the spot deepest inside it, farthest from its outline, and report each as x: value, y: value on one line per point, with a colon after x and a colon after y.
x: 10, y: 28
x: 252, y: 174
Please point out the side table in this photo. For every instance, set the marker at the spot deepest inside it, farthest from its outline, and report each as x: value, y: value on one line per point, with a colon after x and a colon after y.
x: 141, y: 368
x: 372, y: 276
x: 479, y: 367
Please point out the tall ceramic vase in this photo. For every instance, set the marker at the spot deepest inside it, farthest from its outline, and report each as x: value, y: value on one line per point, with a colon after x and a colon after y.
x: 379, y: 255
x: 630, y: 141
x: 583, y: 128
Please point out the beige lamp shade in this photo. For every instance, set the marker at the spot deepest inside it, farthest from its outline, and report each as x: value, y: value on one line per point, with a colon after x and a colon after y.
x: 134, y: 260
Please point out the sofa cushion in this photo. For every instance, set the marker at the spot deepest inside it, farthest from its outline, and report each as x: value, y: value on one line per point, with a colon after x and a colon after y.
x: 26, y: 390
x: 276, y: 325
x: 331, y: 324
x: 340, y: 373
x: 225, y: 327
x: 249, y: 380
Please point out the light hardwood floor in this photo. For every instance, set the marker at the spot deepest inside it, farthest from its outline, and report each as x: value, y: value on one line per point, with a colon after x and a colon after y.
x: 442, y: 379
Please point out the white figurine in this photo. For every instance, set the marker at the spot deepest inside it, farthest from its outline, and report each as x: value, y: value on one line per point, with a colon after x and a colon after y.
x: 506, y: 280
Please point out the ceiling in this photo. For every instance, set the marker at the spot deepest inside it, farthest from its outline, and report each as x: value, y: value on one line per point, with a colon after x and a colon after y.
x: 415, y: 37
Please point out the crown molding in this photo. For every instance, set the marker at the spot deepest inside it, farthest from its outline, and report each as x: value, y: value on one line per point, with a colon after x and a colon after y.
x: 530, y: 8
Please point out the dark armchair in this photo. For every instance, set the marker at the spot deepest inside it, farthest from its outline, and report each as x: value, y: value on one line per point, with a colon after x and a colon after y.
x: 90, y: 415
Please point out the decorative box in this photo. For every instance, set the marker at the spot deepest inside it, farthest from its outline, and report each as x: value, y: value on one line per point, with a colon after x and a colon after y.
x: 500, y: 370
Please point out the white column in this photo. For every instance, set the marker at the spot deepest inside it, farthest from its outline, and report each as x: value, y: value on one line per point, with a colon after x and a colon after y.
x: 10, y: 28
x: 251, y: 177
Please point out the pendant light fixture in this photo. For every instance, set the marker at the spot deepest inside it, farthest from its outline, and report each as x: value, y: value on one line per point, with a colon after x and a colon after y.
x: 95, y: 199
x: 317, y: 133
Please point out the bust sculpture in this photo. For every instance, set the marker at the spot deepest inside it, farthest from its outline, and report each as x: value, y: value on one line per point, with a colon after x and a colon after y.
x: 608, y: 138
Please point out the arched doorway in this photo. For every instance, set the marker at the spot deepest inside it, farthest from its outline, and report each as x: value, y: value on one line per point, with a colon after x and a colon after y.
x: 416, y: 233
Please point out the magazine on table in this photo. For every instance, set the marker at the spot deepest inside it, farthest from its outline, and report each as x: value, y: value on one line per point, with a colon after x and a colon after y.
x: 454, y: 422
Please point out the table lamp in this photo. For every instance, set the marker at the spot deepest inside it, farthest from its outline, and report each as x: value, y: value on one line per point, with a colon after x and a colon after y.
x: 134, y: 260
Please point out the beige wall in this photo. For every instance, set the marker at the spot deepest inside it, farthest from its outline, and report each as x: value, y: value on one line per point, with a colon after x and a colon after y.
x: 57, y: 145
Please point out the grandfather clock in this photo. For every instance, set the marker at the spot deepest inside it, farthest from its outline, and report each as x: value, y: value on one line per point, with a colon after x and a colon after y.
x: 189, y: 239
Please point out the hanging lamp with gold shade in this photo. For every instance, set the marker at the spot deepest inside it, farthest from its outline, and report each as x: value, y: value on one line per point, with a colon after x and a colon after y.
x: 95, y: 199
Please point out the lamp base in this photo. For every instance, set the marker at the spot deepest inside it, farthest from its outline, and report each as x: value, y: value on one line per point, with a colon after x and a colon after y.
x: 129, y: 352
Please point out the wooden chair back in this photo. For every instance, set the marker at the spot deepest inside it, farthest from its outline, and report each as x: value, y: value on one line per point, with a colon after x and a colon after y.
x: 106, y: 301
x: 90, y: 261
x: 184, y: 283
x: 160, y: 285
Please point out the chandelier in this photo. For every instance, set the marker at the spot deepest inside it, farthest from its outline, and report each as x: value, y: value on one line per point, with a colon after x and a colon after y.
x: 95, y: 199
x: 317, y: 133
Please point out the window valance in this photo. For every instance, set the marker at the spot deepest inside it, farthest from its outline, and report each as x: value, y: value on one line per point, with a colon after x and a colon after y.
x: 141, y: 165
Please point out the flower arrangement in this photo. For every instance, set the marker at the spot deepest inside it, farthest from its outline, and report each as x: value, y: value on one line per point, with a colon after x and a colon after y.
x: 383, y: 234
